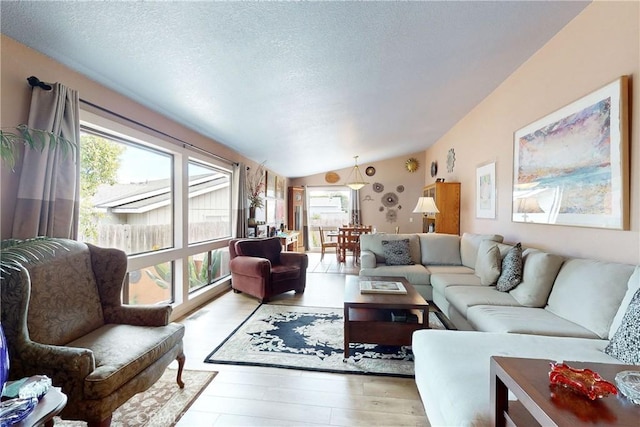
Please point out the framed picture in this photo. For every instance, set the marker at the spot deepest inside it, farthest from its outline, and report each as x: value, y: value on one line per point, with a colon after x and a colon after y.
x: 571, y: 167
x: 271, y: 211
x: 251, y: 232
x: 486, y: 191
x: 271, y: 185
x: 279, y: 187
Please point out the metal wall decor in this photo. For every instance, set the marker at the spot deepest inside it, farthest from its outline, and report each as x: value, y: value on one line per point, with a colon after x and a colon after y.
x: 389, y: 200
x: 451, y: 160
x: 412, y: 164
x: 370, y: 171
x: 378, y: 188
x: 400, y: 188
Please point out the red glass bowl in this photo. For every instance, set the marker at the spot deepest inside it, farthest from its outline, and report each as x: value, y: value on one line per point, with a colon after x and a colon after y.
x: 583, y: 381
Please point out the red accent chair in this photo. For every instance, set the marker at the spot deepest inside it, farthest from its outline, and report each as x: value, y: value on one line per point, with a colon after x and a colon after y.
x: 260, y: 268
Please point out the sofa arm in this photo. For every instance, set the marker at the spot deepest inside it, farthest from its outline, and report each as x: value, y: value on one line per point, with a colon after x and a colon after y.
x: 367, y: 259
x: 140, y: 315
x: 250, y: 266
x: 294, y: 258
x: 52, y: 358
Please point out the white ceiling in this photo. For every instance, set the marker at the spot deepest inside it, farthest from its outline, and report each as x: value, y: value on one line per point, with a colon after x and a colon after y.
x: 303, y: 85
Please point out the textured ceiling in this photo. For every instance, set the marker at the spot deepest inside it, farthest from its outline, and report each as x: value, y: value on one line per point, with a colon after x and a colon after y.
x: 303, y: 85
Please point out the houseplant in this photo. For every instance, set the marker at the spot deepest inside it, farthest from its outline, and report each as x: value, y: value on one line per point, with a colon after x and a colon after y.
x: 34, y: 139
x: 255, y: 189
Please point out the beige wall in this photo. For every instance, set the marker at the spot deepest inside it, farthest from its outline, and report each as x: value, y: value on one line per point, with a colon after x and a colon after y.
x: 598, y: 46
x: 19, y: 62
x: 391, y: 173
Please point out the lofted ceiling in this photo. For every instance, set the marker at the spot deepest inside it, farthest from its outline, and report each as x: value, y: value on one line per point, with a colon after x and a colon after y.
x: 304, y: 86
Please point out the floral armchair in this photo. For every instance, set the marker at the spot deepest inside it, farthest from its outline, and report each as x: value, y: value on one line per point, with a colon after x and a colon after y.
x: 63, y: 317
x: 260, y: 268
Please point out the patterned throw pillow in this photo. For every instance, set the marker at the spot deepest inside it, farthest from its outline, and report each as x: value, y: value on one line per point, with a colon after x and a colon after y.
x: 625, y: 344
x: 511, y: 274
x: 396, y: 252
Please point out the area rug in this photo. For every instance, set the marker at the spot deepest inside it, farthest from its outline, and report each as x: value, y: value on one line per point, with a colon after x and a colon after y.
x: 309, y: 338
x: 162, y: 405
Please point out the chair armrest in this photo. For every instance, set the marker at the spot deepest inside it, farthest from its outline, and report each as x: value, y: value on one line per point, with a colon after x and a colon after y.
x: 138, y: 315
x: 368, y: 259
x: 250, y: 266
x: 294, y: 258
x: 79, y: 361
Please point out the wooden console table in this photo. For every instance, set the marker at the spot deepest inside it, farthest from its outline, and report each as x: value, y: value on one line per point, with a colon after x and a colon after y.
x: 289, y: 240
x: 540, y: 405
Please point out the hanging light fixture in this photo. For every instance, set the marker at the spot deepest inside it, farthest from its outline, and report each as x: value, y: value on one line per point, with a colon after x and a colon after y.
x: 358, y: 180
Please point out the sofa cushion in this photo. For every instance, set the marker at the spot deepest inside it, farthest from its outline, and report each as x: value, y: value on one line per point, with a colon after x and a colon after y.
x: 285, y: 272
x: 123, y: 351
x: 440, y: 249
x: 511, y: 274
x: 450, y: 269
x: 416, y: 274
x: 269, y: 248
x: 463, y: 297
x: 452, y: 368
x: 440, y: 282
x: 373, y: 243
x: 632, y: 286
x: 65, y: 283
x: 397, y: 252
x: 589, y: 293
x: 488, y: 263
x: 539, y: 270
x: 469, y: 244
x: 625, y: 344
x: 523, y: 320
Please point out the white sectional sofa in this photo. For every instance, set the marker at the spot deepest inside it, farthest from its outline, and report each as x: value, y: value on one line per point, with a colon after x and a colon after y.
x: 563, y: 309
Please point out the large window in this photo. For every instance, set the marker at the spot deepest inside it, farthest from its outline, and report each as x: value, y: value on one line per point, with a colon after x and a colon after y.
x: 126, y: 194
x: 167, y: 207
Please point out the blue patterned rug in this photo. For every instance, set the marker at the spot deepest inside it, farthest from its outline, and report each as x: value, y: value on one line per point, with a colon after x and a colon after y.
x: 309, y: 338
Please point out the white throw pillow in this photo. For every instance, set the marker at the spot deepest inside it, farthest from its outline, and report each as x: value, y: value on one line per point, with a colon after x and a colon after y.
x: 488, y: 262
x: 539, y: 271
x: 632, y: 287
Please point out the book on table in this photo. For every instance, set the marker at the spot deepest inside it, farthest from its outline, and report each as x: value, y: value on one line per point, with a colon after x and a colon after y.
x: 381, y: 287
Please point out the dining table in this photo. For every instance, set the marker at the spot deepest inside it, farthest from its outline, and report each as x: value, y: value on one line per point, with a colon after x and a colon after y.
x: 349, y: 240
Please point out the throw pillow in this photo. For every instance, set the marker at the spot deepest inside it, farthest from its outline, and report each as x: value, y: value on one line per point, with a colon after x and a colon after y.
x: 625, y: 344
x: 396, y: 252
x: 488, y: 262
x: 511, y: 274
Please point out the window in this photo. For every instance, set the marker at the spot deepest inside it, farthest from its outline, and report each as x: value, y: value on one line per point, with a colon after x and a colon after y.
x: 125, y: 193
x: 167, y: 207
x: 209, y: 203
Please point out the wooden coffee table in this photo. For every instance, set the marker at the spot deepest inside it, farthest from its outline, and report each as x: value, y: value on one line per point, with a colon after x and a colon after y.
x: 528, y: 380
x: 367, y: 317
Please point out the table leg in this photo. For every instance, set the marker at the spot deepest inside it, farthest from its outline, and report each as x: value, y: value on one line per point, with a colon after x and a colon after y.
x: 499, y: 399
x: 346, y: 332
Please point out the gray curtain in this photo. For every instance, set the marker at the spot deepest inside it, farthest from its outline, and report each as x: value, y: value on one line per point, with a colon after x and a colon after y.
x: 241, y: 206
x: 356, y: 212
x: 49, y: 188
x: 305, y: 219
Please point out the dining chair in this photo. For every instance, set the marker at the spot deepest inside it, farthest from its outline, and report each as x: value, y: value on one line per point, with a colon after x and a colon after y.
x: 349, y: 240
x: 326, y: 245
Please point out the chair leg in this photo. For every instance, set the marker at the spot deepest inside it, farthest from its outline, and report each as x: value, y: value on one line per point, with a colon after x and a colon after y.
x: 180, y: 360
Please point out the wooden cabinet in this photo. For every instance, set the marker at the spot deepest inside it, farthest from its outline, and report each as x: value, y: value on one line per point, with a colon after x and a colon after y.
x: 295, y: 214
x: 447, y: 198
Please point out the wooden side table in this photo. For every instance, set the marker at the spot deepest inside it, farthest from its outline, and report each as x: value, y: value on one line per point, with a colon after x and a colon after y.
x: 540, y: 405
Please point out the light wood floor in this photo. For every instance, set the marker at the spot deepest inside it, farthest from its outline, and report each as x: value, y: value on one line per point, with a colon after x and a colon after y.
x: 256, y: 396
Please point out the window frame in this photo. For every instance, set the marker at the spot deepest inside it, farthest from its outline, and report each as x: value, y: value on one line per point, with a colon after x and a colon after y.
x: 182, y: 300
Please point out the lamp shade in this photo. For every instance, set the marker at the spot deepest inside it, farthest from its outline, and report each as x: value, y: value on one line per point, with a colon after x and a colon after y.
x: 426, y: 205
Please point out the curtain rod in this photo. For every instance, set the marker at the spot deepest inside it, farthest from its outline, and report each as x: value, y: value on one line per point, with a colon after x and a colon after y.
x: 35, y: 82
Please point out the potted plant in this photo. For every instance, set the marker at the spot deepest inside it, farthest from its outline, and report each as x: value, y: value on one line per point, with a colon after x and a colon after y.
x: 34, y: 139
x: 255, y: 188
